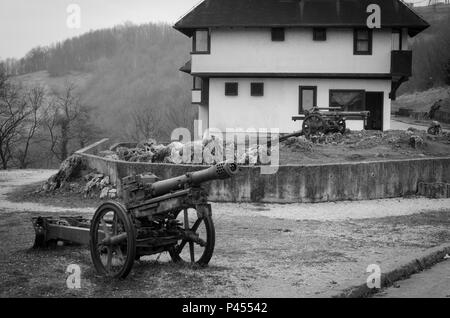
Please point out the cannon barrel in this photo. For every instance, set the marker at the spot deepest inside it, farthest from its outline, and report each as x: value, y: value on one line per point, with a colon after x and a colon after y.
x: 223, y: 170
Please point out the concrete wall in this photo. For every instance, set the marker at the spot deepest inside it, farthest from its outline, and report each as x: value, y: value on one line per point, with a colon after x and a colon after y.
x: 252, y: 50
x: 309, y: 183
x: 280, y: 102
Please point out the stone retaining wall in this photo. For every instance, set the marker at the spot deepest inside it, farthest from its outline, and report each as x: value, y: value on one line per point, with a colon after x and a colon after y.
x: 308, y: 183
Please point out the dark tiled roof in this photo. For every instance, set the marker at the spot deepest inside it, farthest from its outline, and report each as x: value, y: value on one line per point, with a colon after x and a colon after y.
x: 301, y: 13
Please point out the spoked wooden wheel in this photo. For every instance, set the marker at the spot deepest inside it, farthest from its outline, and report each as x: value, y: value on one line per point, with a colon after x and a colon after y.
x: 313, y: 124
x: 198, y: 246
x: 112, y: 241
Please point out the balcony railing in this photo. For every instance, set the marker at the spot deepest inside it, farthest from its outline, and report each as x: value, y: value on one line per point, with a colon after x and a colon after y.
x: 401, y: 63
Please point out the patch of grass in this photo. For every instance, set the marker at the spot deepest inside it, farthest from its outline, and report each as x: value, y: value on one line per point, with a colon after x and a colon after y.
x: 248, y: 250
x: 64, y: 199
x: 439, y: 218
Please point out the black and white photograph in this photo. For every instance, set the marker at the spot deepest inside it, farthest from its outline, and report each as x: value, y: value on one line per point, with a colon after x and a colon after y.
x: 220, y: 155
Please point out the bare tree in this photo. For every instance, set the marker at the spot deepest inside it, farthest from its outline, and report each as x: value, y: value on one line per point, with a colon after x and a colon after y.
x: 13, y: 111
x: 146, y: 122
x: 35, y: 100
x: 182, y: 116
x: 84, y: 128
x: 61, y: 115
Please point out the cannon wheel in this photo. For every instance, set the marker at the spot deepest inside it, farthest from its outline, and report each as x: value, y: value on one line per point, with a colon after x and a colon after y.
x: 200, y: 224
x: 313, y: 124
x: 112, y: 240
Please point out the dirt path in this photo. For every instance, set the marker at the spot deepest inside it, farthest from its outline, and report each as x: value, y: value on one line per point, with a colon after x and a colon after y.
x: 335, y: 211
x: 400, y: 125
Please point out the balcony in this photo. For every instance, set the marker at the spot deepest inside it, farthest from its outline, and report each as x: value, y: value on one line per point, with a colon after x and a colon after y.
x: 401, y: 63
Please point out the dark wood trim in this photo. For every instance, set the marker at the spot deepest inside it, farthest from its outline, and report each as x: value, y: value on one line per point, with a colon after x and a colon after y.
x: 355, y: 41
x: 382, y: 107
x: 300, y: 95
x: 315, y: 38
x: 205, y: 91
x: 400, y: 32
x: 395, y: 85
x: 347, y: 90
x: 194, y: 42
x: 194, y: 88
x: 299, y: 25
x: 298, y: 75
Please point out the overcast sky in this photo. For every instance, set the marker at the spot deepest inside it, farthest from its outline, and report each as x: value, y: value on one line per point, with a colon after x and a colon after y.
x: 25, y: 24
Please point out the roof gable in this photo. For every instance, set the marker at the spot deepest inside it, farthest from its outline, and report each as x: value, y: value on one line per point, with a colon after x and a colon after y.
x: 297, y: 13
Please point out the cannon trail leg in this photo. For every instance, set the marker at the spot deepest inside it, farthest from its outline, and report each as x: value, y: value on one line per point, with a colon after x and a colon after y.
x: 73, y: 230
x: 198, y: 244
x: 113, y: 241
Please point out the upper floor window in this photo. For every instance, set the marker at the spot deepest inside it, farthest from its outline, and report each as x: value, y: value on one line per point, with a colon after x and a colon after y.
x: 257, y: 89
x: 396, y: 40
x: 319, y: 34
x: 198, y: 83
x: 362, y: 42
x: 201, y: 42
x: 231, y: 89
x: 277, y: 34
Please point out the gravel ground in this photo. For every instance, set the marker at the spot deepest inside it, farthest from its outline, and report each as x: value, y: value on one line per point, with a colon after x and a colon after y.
x: 304, y: 250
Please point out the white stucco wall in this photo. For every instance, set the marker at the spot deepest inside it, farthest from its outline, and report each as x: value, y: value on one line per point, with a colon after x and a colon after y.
x: 279, y: 103
x: 252, y: 50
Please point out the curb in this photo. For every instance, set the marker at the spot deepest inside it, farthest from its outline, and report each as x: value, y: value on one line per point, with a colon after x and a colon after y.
x: 404, y: 271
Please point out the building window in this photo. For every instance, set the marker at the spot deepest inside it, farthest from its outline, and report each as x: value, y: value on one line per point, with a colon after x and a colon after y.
x: 319, y: 34
x: 348, y: 100
x: 307, y: 98
x: 197, y: 83
x: 362, y: 42
x: 396, y: 40
x: 277, y: 34
x: 231, y: 89
x: 201, y: 42
x: 257, y: 89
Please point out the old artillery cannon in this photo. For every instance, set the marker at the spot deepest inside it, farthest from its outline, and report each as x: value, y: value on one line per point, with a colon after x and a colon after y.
x: 327, y: 120
x: 171, y: 216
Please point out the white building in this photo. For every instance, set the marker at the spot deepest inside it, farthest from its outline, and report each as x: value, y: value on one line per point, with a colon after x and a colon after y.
x: 258, y: 63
